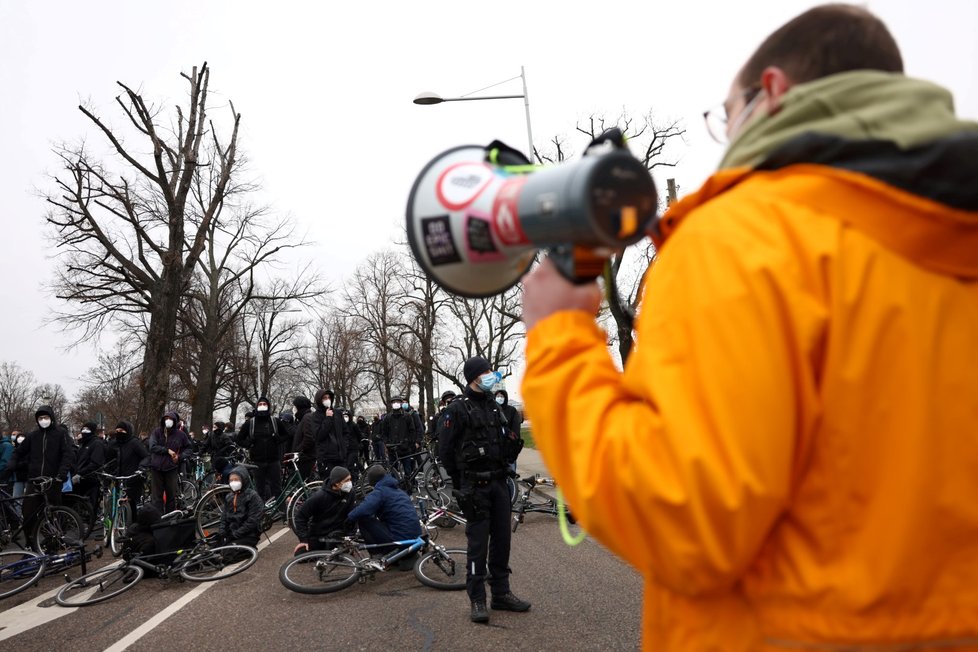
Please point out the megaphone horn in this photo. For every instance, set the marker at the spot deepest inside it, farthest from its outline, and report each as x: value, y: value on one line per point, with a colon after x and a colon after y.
x: 475, y: 225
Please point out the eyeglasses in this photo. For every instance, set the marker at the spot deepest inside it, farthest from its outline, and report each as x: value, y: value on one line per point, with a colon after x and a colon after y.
x: 717, y: 117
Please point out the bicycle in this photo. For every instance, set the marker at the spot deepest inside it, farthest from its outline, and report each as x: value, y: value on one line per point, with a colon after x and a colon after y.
x: 210, y: 507
x: 117, y: 509
x: 440, y: 517
x: 54, y: 528
x: 395, y: 467
x: 533, y: 500
x: 22, y: 569
x: 201, y: 563
x: 327, y: 571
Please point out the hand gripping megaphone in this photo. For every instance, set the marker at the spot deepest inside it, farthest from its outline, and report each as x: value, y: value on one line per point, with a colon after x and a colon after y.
x: 476, y: 215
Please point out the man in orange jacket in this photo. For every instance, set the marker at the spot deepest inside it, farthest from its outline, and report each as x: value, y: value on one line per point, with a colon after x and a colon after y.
x: 789, y: 457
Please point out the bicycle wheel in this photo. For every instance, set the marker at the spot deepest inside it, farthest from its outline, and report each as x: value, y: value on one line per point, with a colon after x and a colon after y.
x: 117, y: 533
x: 19, y: 569
x: 58, y: 530
x: 298, y: 497
x: 513, y: 491
x: 209, y: 510
x: 442, y: 568
x: 218, y: 563
x: 189, y: 493
x: 99, y: 586
x: 438, y: 485
x: 320, y: 571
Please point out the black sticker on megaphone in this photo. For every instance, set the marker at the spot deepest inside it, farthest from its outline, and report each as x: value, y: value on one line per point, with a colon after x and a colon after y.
x: 478, y: 238
x: 438, y: 241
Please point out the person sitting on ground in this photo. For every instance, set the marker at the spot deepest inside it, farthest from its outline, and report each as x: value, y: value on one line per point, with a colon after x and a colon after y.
x: 325, y: 511
x: 140, y: 534
x: 241, y: 518
x: 386, y: 514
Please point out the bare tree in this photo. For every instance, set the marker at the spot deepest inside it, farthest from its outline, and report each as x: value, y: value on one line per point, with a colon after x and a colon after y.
x: 17, y: 387
x: 490, y: 327
x: 338, y: 359
x: 130, y: 240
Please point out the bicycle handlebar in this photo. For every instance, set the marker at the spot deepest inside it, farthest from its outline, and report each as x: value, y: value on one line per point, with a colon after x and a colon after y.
x: 121, y: 477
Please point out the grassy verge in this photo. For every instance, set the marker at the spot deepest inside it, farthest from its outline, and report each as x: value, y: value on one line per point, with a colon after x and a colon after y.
x: 527, y: 437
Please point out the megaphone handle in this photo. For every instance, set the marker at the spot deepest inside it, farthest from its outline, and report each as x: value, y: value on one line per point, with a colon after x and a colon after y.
x: 577, y: 264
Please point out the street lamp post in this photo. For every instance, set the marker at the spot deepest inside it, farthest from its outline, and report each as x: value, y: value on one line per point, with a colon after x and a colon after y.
x: 434, y: 98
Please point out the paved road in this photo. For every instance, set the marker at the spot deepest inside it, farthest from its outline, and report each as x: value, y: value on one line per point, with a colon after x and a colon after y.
x: 583, y: 599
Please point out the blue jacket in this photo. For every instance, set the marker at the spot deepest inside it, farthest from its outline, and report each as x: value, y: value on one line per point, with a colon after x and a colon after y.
x: 6, y: 453
x: 391, y: 506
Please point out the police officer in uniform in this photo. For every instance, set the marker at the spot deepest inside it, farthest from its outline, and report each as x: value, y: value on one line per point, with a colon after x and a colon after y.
x: 476, y: 449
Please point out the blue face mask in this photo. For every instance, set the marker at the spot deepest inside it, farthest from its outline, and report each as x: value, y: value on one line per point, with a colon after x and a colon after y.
x: 488, y: 380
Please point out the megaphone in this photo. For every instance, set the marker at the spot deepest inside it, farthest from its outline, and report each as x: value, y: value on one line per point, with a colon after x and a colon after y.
x: 475, y: 221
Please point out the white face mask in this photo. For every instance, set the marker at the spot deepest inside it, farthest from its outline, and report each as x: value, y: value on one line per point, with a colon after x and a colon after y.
x: 44, y: 422
x: 168, y: 423
x: 406, y: 406
x: 205, y: 431
x: 86, y: 431
x: 20, y: 439
x: 295, y: 410
x: 263, y: 408
x: 346, y: 419
x: 327, y: 403
x: 395, y: 406
x: 346, y: 487
x: 235, y: 485
x: 500, y: 400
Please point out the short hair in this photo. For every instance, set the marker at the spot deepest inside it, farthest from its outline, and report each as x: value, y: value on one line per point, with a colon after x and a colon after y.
x: 823, y: 41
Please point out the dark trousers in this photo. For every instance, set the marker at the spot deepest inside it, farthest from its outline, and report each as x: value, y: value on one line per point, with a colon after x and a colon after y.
x: 34, y: 504
x: 488, y: 538
x: 164, y: 481
x: 380, y: 450
x: 134, y: 491
x: 376, y: 532
x: 353, y: 465
x: 305, y: 469
x: 268, y: 479
x: 90, y: 488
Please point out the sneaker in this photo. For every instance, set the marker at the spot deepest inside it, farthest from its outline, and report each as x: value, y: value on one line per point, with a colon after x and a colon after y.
x: 509, y: 602
x: 479, y: 612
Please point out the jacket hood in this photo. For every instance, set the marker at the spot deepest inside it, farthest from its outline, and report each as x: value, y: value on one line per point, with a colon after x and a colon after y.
x: 125, y: 425
x: 45, y: 409
x: 302, y: 403
x: 861, y: 105
x: 387, y: 481
x: 245, y: 476
x: 505, y: 396
x: 319, y: 399
x: 286, y: 417
x: 148, y: 515
x: 172, y: 414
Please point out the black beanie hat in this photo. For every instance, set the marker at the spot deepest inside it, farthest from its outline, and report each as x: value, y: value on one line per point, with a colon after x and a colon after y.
x: 302, y: 402
x: 475, y: 367
x: 337, y: 474
x: 375, y: 473
x: 91, y: 425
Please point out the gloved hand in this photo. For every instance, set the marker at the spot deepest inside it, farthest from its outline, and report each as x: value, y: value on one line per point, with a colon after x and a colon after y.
x: 75, y: 479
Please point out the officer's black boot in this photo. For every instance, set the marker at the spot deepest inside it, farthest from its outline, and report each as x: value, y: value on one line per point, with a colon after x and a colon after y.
x: 509, y: 602
x: 479, y: 612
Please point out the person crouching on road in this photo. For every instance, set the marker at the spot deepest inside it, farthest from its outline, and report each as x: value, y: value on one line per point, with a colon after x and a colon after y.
x: 241, y: 519
x: 386, y: 514
x: 324, y: 512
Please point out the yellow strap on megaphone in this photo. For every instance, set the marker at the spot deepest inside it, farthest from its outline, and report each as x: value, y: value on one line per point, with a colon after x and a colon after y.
x: 569, y: 539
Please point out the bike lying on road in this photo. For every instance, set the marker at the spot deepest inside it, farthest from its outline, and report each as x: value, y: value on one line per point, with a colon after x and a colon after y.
x: 22, y: 569
x: 345, y: 564
x: 532, y: 499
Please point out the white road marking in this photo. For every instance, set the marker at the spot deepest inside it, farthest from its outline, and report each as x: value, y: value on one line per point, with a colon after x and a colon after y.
x: 158, y: 619
x: 29, y: 615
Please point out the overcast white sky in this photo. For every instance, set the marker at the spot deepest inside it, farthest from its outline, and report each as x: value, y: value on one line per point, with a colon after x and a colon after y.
x: 325, y: 91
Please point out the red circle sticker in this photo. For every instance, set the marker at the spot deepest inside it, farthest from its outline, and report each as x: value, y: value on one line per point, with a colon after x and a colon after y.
x: 460, y: 184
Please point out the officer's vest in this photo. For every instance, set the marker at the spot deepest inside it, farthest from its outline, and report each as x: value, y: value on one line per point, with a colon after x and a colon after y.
x: 479, y: 447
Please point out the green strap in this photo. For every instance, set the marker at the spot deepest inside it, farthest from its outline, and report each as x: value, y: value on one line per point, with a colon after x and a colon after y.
x: 562, y: 520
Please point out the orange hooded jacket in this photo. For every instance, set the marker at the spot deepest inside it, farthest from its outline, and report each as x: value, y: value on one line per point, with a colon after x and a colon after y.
x: 790, y: 457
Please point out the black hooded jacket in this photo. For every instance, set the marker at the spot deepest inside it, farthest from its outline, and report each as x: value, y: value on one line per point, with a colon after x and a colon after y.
x: 91, y: 455
x: 513, y: 417
x: 323, y: 512
x: 128, y: 452
x: 48, y: 451
x: 260, y: 435
x: 307, y: 449
x: 241, y: 518
x: 323, y: 434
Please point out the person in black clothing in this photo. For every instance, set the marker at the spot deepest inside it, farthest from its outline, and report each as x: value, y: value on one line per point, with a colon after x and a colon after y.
x: 401, y: 433
x: 129, y: 455
x: 446, y: 398
x: 305, y: 448
x: 260, y: 435
x: 377, y: 439
x: 219, y: 446
x: 323, y: 429
x: 476, y: 449
x: 363, y: 432
x: 287, y: 421
x: 324, y: 512
x: 241, y: 518
x: 514, y: 419
x: 352, y: 445
x: 90, y: 458
x: 49, y: 452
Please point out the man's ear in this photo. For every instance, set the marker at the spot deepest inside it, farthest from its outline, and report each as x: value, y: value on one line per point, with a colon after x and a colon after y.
x: 775, y: 83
